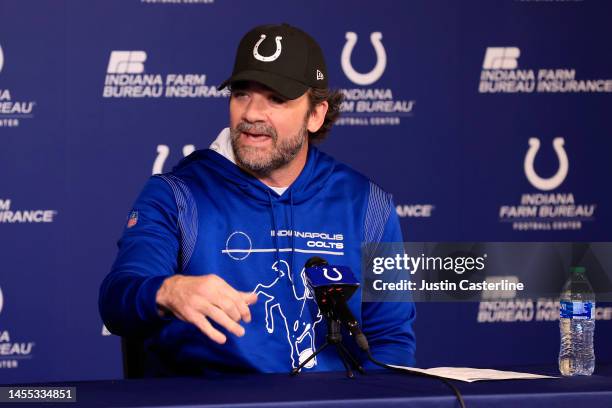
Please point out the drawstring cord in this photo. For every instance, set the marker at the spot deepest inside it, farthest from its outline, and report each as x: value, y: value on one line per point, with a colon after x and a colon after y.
x: 293, y: 254
x: 291, y: 234
x: 274, y: 235
x: 292, y: 228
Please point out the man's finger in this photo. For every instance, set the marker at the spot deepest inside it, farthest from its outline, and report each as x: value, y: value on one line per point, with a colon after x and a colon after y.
x: 229, y: 306
x: 243, y: 308
x: 225, y: 321
x: 240, y: 302
x: 249, y: 297
x: 241, y: 305
x: 205, y: 327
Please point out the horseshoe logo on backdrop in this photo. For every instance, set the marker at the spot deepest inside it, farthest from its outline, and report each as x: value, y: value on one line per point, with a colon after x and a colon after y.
x: 381, y: 59
x: 1, y: 59
x: 555, y: 181
x: 272, y: 57
x: 162, y: 154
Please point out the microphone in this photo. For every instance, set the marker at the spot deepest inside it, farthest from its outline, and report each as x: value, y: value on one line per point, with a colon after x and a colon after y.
x: 332, y: 286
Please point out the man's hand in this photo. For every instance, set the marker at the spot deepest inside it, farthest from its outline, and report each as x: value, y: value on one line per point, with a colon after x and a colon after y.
x: 194, y: 299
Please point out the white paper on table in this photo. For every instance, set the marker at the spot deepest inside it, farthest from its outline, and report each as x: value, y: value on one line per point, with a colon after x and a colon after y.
x: 474, y: 374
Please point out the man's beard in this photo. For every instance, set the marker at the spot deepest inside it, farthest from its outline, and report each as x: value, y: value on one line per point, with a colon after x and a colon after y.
x: 260, y: 160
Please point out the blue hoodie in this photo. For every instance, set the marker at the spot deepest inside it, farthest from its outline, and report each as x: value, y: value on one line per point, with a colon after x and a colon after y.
x: 209, y: 217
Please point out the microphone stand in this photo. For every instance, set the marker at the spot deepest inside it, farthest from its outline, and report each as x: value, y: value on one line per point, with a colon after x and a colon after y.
x: 334, y: 337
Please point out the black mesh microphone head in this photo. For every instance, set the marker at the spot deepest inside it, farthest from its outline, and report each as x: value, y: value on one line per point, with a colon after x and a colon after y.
x: 315, y: 261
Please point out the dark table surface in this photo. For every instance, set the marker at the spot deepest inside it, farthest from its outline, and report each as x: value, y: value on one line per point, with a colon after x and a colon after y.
x: 374, y: 389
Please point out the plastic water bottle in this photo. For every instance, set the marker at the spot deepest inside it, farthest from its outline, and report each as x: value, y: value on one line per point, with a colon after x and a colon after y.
x: 577, y: 324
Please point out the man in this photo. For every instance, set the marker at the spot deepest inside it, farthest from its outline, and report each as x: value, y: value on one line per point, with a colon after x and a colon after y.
x: 210, y: 269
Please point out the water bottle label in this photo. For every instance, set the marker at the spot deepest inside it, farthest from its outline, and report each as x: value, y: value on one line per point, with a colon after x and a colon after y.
x: 577, y: 310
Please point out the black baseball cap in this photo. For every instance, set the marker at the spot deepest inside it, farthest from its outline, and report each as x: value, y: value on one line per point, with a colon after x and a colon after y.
x: 281, y: 57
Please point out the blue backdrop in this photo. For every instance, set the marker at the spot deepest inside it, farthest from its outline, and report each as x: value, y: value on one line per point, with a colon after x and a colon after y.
x: 443, y: 100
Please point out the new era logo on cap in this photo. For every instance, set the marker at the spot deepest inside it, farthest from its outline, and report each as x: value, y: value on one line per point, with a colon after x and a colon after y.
x: 281, y: 57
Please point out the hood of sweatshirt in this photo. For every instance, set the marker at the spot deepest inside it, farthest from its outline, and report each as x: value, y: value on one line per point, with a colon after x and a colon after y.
x: 219, y: 158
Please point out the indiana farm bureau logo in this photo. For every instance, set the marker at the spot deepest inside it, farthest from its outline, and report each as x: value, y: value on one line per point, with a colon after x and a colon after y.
x: 550, y: 207
x: 369, y: 104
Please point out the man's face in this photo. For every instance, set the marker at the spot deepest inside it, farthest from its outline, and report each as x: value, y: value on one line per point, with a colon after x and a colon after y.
x: 267, y: 130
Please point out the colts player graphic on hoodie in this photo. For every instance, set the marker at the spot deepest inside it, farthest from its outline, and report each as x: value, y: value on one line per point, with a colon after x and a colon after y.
x: 209, y: 217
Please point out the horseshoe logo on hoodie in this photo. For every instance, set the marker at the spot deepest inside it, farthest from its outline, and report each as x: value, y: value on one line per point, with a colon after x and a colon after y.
x: 272, y: 57
x: 555, y: 181
x: 381, y: 59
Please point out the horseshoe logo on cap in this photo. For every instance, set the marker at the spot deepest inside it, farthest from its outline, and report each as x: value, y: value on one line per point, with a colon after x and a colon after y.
x: 555, y: 181
x: 381, y: 59
x: 272, y: 57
